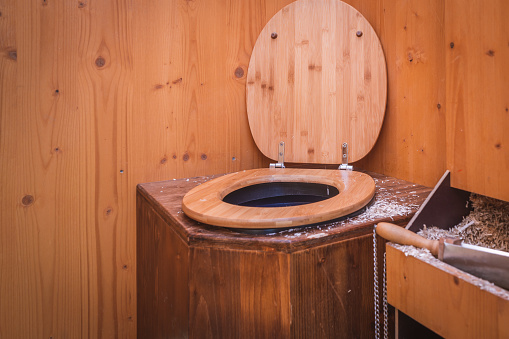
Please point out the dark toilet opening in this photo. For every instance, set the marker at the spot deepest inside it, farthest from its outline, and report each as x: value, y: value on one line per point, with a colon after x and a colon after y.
x: 280, y: 194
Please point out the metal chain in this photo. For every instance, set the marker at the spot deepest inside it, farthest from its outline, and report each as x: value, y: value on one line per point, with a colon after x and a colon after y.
x: 376, y: 292
x: 375, y: 286
x: 384, y: 301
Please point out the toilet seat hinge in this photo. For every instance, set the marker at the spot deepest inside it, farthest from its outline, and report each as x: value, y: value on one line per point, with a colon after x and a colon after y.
x: 344, y: 159
x: 280, y: 157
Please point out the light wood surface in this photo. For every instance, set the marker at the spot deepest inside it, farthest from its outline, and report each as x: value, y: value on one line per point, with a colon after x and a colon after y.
x: 412, y: 141
x: 444, y: 299
x: 477, y: 96
x: 205, y: 202
x: 314, y: 84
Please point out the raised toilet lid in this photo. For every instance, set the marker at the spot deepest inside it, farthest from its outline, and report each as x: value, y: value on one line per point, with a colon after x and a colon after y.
x: 316, y: 79
x: 205, y: 202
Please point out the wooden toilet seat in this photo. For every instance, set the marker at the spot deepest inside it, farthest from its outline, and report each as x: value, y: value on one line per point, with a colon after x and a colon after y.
x: 316, y: 81
x: 205, y: 202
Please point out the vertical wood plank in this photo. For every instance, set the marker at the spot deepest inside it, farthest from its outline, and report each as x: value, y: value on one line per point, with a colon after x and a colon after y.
x: 412, y: 141
x: 477, y: 44
x: 219, y: 278
x: 343, y: 270
x: 163, y: 279
x: 106, y: 86
x: 43, y: 290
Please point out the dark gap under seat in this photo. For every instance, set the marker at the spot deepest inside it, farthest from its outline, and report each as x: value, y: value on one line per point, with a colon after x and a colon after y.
x: 281, y: 194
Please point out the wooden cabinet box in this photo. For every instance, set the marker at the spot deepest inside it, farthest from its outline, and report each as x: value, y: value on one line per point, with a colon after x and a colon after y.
x: 196, y: 280
x: 446, y: 300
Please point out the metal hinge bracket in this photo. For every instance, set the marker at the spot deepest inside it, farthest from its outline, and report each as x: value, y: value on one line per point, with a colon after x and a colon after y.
x: 344, y: 161
x: 280, y: 157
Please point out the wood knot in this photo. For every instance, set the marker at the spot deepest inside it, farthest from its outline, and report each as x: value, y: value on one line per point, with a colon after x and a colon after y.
x: 203, y: 156
x: 100, y: 62
x: 185, y: 157
x: 124, y: 267
x: 174, y: 156
x: 490, y: 53
x: 451, y: 44
x: 439, y: 106
x: 163, y: 161
x: 456, y: 280
x: 13, y: 55
x: 239, y: 72
x: 81, y: 4
x: 108, y: 211
x: 498, y: 145
x: 27, y: 200
x: 322, y: 260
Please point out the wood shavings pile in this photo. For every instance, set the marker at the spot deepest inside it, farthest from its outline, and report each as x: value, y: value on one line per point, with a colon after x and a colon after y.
x: 385, y: 205
x: 487, y: 225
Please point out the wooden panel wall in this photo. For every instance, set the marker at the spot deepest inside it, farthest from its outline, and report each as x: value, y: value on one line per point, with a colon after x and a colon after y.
x: 411, y: 145
x: 477, y: 44
x: 97, y: 96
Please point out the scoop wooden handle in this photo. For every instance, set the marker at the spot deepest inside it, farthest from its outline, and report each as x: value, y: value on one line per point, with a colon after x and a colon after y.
x: 403, y: 236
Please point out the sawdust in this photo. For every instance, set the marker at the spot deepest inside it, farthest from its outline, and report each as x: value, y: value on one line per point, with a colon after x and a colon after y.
x: 386, y: 205
x: 487, y: 225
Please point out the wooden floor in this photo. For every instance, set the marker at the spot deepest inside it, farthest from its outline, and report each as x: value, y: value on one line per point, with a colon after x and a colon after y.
x: 201, y: 281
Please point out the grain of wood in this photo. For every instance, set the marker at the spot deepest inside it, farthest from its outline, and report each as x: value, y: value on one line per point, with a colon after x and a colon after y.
x: 478, y: 107
x: 170, y: 309
x: 413, y: 133
x: 205, y: 202
x: 63, y: 256
x: 83, y: 120
x: 238, y: 294
x: 313, y: 281
x: 314, y: 83
x: 444, y: 299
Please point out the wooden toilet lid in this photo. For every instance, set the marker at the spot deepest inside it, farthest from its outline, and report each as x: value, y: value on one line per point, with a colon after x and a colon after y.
x: 205, y: 203
x: 316, y: 79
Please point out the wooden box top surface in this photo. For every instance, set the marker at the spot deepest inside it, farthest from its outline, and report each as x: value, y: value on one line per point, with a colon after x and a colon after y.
x: 395, y: 201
